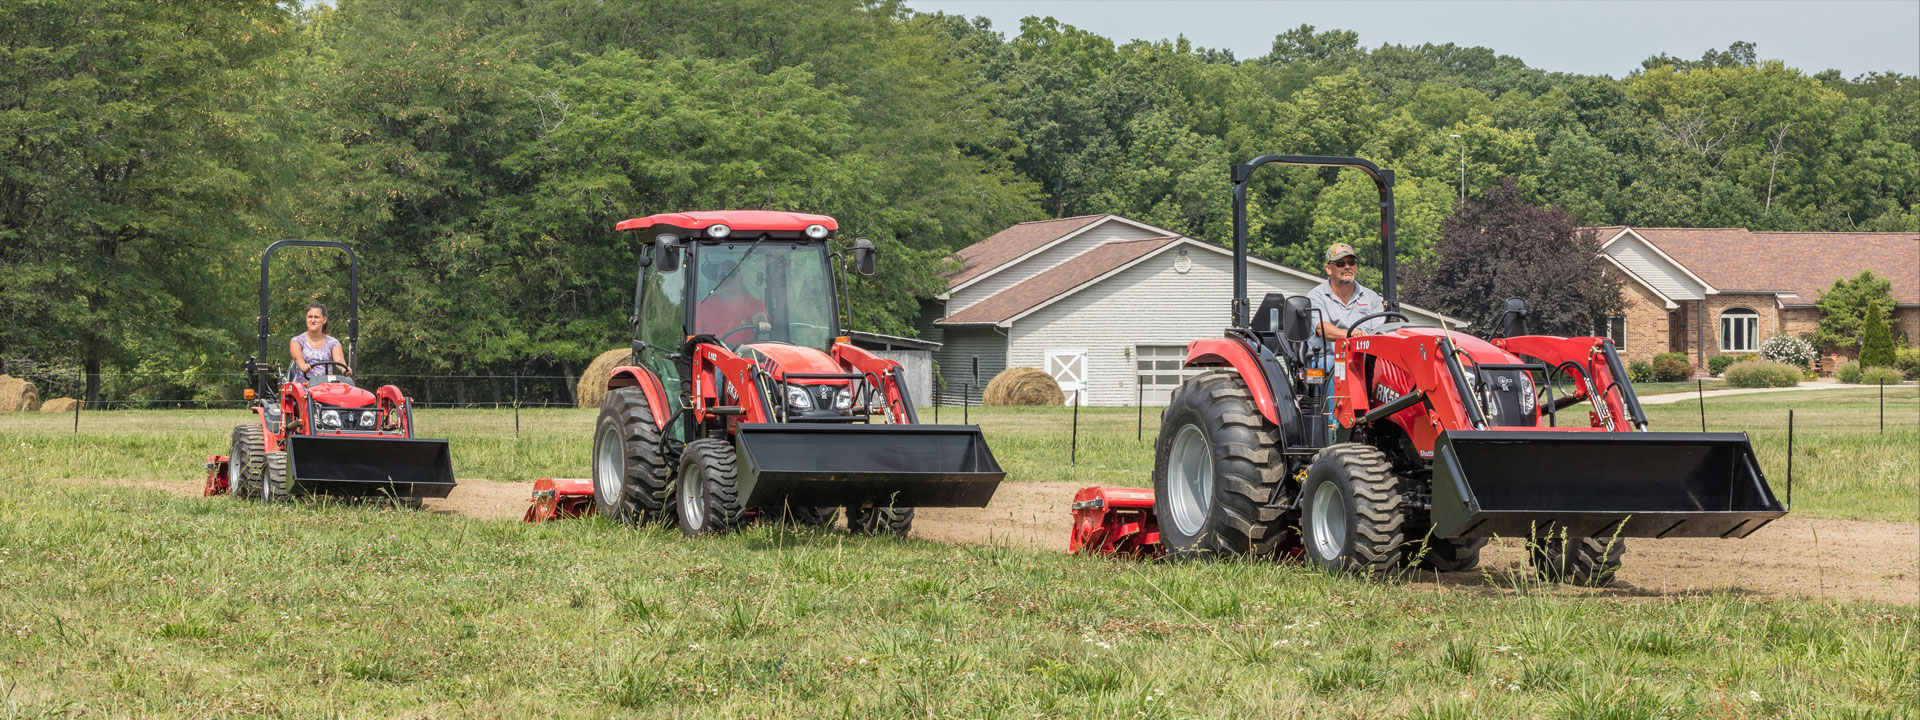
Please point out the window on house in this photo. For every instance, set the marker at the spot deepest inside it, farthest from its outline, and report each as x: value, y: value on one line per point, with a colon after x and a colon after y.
x: 1738, y: 328
x: 1158, y: 370
x: 1613, y: 327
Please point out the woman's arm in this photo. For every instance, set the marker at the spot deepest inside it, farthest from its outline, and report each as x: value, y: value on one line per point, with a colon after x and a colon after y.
x: 293, y: 348
x: 340, y: 356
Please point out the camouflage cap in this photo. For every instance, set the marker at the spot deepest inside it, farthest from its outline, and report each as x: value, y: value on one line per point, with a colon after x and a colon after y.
x: 1337, y: 251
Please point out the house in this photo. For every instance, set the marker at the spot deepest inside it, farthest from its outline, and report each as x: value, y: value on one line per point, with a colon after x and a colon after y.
x: 1709, y: 291
x: 1105, y: 304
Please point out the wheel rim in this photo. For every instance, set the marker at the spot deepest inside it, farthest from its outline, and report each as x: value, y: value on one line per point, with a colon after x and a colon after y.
x: 233, y: 472
x: 693, y: 499
x: 608, y: 466
x: 1329, y: 521
x: 1190, y: 479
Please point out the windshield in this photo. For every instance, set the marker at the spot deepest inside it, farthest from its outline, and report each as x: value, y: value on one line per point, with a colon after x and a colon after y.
x: 778, y: 292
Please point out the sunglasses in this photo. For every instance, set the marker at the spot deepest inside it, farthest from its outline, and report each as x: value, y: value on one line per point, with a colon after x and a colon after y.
x: 1344, y: 262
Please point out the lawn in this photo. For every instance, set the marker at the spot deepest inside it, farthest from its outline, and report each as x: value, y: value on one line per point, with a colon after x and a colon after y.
x: 121, y: 601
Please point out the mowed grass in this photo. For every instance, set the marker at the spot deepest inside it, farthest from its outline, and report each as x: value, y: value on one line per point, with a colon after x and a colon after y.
x: 134, y: 603
x: 1844, y: 466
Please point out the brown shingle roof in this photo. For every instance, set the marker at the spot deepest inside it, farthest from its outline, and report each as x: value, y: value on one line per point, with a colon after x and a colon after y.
x: 1001, y: 248
x: 1057, y: 281
x: 1735, y: 260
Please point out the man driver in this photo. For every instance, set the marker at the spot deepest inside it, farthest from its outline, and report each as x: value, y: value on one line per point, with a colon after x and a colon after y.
x: 1341, y: 300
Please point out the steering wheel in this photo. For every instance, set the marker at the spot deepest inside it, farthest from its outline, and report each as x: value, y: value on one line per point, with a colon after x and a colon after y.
x: 722, y: 337
x: 1385, y: 313
x: 344, y: 370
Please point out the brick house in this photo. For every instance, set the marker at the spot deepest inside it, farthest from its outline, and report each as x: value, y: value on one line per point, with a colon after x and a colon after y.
x: 1710, y: 291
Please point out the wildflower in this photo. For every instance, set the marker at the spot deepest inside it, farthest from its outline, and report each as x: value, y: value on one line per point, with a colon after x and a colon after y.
x: 1753, y: 695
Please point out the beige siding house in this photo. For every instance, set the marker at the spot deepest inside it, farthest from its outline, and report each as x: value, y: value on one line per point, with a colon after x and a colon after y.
x: 1105, y: 304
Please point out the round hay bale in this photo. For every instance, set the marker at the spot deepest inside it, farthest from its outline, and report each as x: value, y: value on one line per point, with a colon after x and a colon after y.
x: 18, y: 395
x: 59, y: 405
x: 593, y: 380
x: 1023, y: 386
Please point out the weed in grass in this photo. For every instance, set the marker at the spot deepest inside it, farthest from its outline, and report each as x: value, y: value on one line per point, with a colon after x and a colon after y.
x: 190, y: 629
x: 1594, y: 702
x: 1460, y: 656
x: 1450, y: 709
x: 1331, y: 677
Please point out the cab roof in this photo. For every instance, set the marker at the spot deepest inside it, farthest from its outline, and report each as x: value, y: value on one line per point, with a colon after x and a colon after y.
x: 736, y: 219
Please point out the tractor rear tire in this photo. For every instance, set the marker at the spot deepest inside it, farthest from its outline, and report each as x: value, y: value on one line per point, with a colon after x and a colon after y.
x: 632, y: 472
x: 879, y: 520
x: 1587, y: 562
x: 707, y: 494
x: 244, y: 458
x: 1220, y: 483
x: 273, y: 478
x: 1449, y: 554
x: 1352, y: 519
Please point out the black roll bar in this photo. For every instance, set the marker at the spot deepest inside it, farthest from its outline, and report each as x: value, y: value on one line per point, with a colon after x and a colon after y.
x: 258, y: 366
x: 1382, y: 179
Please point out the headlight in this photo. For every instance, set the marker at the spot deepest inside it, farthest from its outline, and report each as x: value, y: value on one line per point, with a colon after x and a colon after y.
x: 366, y: 419
x: 330, y: 419
x: 718, y: 231
x: 816, y: 231
x: 843, y: 400
x: 797, y: 398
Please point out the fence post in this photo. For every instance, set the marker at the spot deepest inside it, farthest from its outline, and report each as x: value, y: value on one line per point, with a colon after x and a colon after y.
x: 1140, y: 411
x: 1789, y: 458
x: 81, y: 400
x: 1700, y: 387
x: 1073, y: 454
x: 1883, y: 406
x: 966, y: 404
x: 516, y: 405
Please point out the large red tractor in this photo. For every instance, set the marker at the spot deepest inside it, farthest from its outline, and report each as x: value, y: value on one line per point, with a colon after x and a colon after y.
x: 743, y: 400
x: 326, y: 435
x: 1414, y: 445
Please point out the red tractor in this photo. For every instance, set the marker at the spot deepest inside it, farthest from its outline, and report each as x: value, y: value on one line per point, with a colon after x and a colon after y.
x: 1413, y: 445
x: 326, y: 435
x: 743, y: 400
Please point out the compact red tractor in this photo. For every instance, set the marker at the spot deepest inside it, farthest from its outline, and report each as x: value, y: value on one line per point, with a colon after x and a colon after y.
x: 326, y: 435
x: 743, y: 400
x: 1414, y: 445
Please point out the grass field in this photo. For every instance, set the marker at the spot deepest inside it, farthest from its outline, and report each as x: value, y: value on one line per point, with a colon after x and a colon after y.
x: 119, y: 601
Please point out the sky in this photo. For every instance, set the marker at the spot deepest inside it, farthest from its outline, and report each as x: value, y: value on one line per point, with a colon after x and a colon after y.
x: 1589, y: 38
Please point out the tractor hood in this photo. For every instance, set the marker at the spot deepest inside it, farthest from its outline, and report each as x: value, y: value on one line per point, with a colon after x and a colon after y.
x: 781, y: 358
x: 340, y: 395
x: 1480, y: 350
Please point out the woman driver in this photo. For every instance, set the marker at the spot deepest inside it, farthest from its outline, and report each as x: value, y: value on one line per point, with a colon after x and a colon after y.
x: 316, y: 346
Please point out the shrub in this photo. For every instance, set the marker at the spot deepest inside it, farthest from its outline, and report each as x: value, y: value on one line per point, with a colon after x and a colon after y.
x: 1876, y: 345
x: 1788, y: 349
x: 1667, y: 368
x: 1718, y: 363
x: 1640, y: 371
x: 1848, y: 372
x: 1907, y: 361
x: 1880, y: 376
x: 1762, y: 373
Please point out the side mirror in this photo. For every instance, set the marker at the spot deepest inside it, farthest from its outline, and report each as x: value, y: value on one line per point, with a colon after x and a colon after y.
x: 666, y: 253
x: 1513, y: 319
x: 1297, y: 322
x: 863, y: 252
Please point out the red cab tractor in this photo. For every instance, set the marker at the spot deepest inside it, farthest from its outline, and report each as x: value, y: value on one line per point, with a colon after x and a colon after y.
x: 326, y: 435
x: 743, y: 400
x: 1413, y: 445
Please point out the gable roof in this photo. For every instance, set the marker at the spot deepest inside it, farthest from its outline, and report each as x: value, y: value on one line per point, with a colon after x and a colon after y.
x: 1795, y: 266
x: 1060, y: 280
x: 1012, y: 243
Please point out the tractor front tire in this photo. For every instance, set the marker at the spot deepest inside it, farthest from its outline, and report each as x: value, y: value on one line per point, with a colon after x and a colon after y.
x: 1352, y: 519
x: 879, y: 520
x: 273, y: 478
x: 1220, y: 484
x: 1587, y: 562
x: 1449, y: 554
x: 631, y: 470
x: 244, y: 459
x: 707, y: 496
x: 801, y: 516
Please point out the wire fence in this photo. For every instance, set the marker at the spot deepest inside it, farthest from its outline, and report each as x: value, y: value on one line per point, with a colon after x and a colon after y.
x: 189, y: 390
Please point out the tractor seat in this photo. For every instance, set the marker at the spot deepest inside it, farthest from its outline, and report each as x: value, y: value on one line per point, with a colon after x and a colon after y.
x: 1266, y: 321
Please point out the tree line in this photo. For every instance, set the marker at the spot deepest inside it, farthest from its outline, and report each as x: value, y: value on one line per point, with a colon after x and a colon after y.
x: 477, y: 155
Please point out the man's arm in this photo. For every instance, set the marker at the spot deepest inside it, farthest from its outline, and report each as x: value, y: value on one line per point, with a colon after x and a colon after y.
x: 1331, y: 331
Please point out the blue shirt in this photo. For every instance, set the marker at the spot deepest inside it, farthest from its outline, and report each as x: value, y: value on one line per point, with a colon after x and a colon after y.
x: 1362, y: 303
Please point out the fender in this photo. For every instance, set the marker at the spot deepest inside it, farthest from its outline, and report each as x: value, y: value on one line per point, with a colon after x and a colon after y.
x: 1223, y: 351
x: 393, y: 401
x: 885, y: 374
x: 649, y: 384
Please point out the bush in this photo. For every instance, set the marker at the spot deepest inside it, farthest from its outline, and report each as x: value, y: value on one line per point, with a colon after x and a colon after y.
x: 1762, y: 374
x: 1640, y: 371
x: 1880, y: 376
x: 1876, y: 346
x: 1667, y: 368
x: 1848, y: 372
x: 1717, y: 364
x: 1789, y: 350
x: 1907, y: 361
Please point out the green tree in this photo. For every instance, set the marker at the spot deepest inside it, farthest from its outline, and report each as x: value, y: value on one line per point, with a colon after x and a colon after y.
x: 1876, y: 345
x: 1846, y: 309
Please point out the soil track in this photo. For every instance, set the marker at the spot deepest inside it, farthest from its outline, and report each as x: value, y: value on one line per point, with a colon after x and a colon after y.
x: 1828, y: 559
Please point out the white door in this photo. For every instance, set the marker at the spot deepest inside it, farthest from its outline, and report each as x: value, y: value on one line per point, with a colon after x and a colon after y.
x: 1069, y: 368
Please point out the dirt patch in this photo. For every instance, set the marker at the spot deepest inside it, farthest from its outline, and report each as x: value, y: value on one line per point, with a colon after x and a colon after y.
x: 1827, y: 559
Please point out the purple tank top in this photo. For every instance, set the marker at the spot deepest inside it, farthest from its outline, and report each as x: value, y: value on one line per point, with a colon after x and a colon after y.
x: 312, y: 355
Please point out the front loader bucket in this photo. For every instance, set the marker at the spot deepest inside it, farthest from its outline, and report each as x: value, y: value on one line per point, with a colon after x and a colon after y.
x: 819, y: 465
x: 1598, y: 484
x: 350, y: 465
